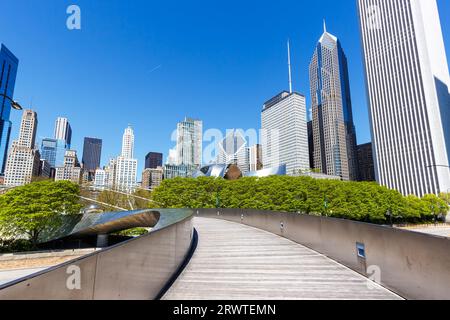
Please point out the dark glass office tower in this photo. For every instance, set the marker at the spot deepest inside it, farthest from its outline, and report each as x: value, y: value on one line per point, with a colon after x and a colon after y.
x: 153, y: 160
x: 8, y: 72
x: 92, y: 153
x: 334, y: 132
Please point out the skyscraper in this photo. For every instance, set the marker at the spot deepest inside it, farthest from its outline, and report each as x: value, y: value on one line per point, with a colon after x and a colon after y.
x: 8, y: 72
x: 153, y: 160
x: 332, y: 120
x: 63, y: 131
x: 284, y: 134
x: 53, y: 151
x: 125, y: 166
x: 92, y: 153
x: 128, y: 143
x: 100, y: 180
x: 407, y: 83
x: 366, y: 169
x: 311, y: 144
x: 190, y: 142
x: 23, y: 161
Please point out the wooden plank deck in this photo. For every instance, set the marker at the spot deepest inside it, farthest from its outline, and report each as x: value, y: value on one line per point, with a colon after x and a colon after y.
x: 237, y: 262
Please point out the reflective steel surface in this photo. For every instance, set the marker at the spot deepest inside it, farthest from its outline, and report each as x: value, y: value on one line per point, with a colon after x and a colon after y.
x: 136, y: 269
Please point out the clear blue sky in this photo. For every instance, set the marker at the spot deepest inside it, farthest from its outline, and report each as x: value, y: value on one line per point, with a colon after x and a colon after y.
x: 150, y: 63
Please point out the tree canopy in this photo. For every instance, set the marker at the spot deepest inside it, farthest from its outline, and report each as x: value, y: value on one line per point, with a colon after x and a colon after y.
x: 360, y: 201
x: 30, y: 210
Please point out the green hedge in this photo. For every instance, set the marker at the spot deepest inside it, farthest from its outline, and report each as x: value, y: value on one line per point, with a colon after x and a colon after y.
x: 358, y: 201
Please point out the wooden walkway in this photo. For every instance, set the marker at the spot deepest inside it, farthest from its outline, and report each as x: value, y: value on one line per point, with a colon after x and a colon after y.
x: 236, y: 262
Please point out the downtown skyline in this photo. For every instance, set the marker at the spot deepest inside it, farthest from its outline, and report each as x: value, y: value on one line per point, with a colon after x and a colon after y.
x: 268, y: 65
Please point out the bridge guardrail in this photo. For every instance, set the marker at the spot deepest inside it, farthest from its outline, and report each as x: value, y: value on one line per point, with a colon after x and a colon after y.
x: 136, y: 269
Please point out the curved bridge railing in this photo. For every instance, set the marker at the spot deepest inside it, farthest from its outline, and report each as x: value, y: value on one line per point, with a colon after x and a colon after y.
x: 137, y: 269
x: 413, y: 265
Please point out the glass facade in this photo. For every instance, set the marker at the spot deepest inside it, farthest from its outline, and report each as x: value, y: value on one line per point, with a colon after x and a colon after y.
x: 333, y: 131
x: 8, y: 72
x: 53, y: 151
x: 153, y: 160
x: 92, y: 153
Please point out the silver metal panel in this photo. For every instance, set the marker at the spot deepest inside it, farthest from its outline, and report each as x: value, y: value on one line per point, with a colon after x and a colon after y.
x: 276, y: 171
x: 51, y: 284
x: 136, y: 269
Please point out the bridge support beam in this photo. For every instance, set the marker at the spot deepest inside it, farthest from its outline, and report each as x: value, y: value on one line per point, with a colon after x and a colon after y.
x: 102, y: 241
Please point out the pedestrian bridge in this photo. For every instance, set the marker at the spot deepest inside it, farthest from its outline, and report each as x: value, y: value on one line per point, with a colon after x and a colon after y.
x: 233, y: 261
x: 244, y: 255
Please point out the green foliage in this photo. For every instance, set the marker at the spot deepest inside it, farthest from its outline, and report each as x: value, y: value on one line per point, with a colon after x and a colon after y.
x: 14, y: 246
x: 29, y: 211
x: 360, y: 201
x: 445, y: 197
x: 135, y: 201
x: 438, y: 208
x: 136, y: 232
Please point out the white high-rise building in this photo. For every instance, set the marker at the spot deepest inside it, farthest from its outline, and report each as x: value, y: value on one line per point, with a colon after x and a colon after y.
x: 125, y: 178
x: 100, y: 180
x: 126, y: 174
x: 128, y: 143
x: 189, y: 143
x: 63, y: 131
x: 284, y: 135
x: 407, y: 82
x: 23, y: 162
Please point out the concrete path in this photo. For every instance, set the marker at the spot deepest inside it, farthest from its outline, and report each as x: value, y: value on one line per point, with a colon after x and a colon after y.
x: 11, y: 275
x: 236, y: 262
x: 436, y: 231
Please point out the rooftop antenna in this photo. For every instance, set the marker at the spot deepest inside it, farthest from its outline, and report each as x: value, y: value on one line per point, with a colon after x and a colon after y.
x: 289, y: 65
x: 324, y: 26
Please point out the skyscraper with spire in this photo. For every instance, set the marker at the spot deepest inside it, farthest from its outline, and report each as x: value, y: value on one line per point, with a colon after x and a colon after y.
x: 332, y: 119
x: 284, y: 134
x: 125, y: 166
x: 128, y: 143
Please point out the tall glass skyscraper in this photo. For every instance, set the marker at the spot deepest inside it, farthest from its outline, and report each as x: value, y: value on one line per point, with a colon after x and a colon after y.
x: 334, y: 132
x: 63, y: 131
x: 407, y: 82
x: 53, y: 151
x: 190, y: 142
x: 8, y: 72
x: 153, y: 160
x: 92, y: 153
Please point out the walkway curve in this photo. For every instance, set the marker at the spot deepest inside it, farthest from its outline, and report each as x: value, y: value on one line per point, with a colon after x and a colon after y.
x: 237, y: 262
